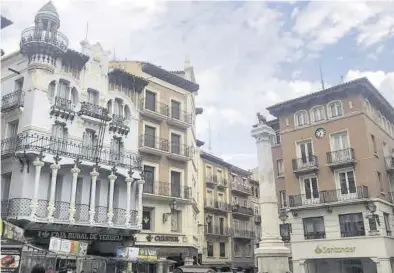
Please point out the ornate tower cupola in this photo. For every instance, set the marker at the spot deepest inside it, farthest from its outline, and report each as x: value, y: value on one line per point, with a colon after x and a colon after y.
x: 43, y: 43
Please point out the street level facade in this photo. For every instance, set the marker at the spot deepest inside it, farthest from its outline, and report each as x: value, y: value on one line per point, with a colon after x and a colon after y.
x: 333, y: 159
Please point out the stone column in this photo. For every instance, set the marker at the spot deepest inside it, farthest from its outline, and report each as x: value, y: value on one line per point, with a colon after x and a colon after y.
x: 94, y: 174
x: 299, y: 266
x: 139, y: 208
x: 112, y: 177
x: 383, y: 265
x: 128, y: 200
x: 34, y: 202
x: 51, y: 207
x: 272, y: 254
x: 75, y: 171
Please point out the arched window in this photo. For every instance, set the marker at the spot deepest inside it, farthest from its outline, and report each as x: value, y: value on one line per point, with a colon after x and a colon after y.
x: 51, y: 89
x: 318, y: 113
x: 74, y: 96
x: 301, y: 118
x: 109, y: 107
x: 118, y: 107
x: 335, y: 109
x: 127, y: 112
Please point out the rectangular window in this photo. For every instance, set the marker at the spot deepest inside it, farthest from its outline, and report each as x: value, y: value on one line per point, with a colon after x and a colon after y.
x: 222, y: 248
x: 5, y: 186
x: 209, y: 173
x: 19, y: 84
x: 310, y: 188
x: 314, y: 228
x: 209, y: 249
x: 175, y: 109
x: 386, y: 217
x: 146, y: 218
x: 375, y: 151
x: 12, y: 128
x: 93, y: 96
x: 220, y: 176
x: 150, y: 101
x: 339, y: 141
x: 277, y: 137
x: 116, y: 149
x: 347, y: 182
x: 285, y: 230
x: 279, y: 165
x: 175, y: 184
x: 176, y: 221
x: 175, y: 143
x: 90, y: 142
x: 380, y: 181
x: 149, y: 175
x: 150, y: 136
x: 283, y: 198
x: 351, y: 225
x: 221, y: 226
x: 210, y: 199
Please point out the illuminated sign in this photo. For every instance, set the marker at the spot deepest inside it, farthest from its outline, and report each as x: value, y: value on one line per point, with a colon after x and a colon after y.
x: 329, y: 250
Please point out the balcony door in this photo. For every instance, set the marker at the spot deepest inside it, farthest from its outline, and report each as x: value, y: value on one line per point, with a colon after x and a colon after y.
x: 175, y: 184
x: 221, y: 226
x: 346, y: 185
x: 340, y: 147
x: 149, y: 173
x: 90, y: 144
x: 304, y: 155
x: 150, y: 101
x: 175, y: 109
x: 309, y: 190
x: 175, y: 143
x: 93, y: 97
x: 210, y: 200
x: 150, y: 136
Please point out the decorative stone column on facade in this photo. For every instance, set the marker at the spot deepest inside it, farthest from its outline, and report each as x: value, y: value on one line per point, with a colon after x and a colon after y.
x: 34, y: 202
x: 139, y: 209
x: 128, y: 200
x: 51, y: 207
x: 75, y: 171
x: 383, y: 265
x: 272, y: 254
x: 94, y: 174
x: 112, y: 177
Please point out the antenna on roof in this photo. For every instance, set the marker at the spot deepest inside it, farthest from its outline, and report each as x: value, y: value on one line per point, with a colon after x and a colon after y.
x: 341, y: 79
x: 87, y: 29
x: 321, y: 77
x: 209, y: 137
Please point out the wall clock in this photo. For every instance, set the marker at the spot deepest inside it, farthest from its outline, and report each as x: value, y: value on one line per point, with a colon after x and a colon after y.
x: 320, y: 133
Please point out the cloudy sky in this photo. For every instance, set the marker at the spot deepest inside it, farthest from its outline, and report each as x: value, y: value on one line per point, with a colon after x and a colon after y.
x: 247, y: 55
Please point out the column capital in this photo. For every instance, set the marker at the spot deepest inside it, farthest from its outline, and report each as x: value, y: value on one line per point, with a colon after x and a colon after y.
x: 75, y: 170
x: 141, y: 182
x: 55, y: 167
x: 262, y: 132
x: 38, y: 163
x: 112, y: 177
x: 94, y: 173
x: 128, y: 180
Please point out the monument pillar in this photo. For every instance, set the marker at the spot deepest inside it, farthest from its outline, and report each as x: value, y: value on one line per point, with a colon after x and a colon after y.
x: 272, y: 254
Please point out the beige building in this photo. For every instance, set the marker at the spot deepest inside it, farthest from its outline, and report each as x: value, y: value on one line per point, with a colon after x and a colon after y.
x: 167, y: 144
x: 228, y: 222
x: 333, y: 159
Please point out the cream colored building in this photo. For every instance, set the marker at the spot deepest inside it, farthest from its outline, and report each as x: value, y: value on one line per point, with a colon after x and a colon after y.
x: 228, y: 220
x: 333, y: 160
x: 167, y: 144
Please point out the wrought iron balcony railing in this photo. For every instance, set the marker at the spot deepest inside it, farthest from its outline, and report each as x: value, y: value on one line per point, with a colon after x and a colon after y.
x: 12, y: 101
x: 217, y: 205
x: 314, y: 235
x: 155, y: 106
x: 222, y: 182
x: 21, y: 208
x: 305, y: 164
x: 217, y: 230
x: 33, y: 35
x: 167, y: 189
x: 75, y: 149
x: 242, y: 210
x: 341, y: 156
x: 241, y: 188
x: 154, y: 143
x: 180, y: 115
x: 181, y: 149
x: 243, y: 233
x: 118, y: 124
x: 353, y: 233
x: 93, y: 110
x: 324, y: 197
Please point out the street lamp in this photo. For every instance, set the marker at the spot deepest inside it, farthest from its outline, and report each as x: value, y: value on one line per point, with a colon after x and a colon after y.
x: 173, y: 206
x: 285, y: 228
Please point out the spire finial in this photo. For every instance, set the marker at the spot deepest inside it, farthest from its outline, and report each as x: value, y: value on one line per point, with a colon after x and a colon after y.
x: 187, y: 61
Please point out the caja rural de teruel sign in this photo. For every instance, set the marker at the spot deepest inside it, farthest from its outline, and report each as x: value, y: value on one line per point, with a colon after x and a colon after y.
x: 78, y: 236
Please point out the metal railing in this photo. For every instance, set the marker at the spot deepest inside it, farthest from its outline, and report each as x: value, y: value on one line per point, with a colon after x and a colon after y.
x: 156, y: 107
x: 93, y: 110
x: 243, y: 233
x: 34, y: 34
x: 63, y: 104
x: 118, y: 120
x: 154, y: 142
x: 242, y: 210
x: 222, y: 182
x: 12, y: 100
x: 167, y: 189
x: 180, y: 115
x: 314, y: 235
x: 353, y: 233
x: 340, y: 156
x: 217, y: 205
x: 217, y: 230
x: 300, y: 164
x: 76, y: 149
x: 180, y: 149
x: 323, y: 197
x: 241, y: 188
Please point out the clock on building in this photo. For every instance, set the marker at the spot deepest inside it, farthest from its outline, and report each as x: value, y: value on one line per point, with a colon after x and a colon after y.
x: 320, y: 133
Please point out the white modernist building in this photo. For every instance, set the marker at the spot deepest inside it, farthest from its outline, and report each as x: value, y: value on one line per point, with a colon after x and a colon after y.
x: 70, y: 161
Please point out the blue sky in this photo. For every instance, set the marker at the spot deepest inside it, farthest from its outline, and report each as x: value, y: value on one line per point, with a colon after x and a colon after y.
x: 247, y: 55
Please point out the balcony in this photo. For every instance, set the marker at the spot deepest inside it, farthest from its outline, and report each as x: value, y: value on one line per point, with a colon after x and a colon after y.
x: 211, y: 181
x: 328, y: 197
x: 34, y: 143
x: 257, y: 219
x: 155, y: 110
x: 167, y: 190
x: 8, y: 146
x: 314, y: 235
x: 242, y: 211
x: 222, y: 183
x: 217, y: 230
x: 63, y: 108
x: 94, y: 111
x: 12, y: 101
x: 180, y: 152
x: 241, y: 189
x: 389, y: 164
x: 119, y: 125
x: 34, y: 38
x: 179, y: 118
x: 305, y: 165
x: 243, y: 234
x: 217, y: 206
x: 341, y: 158
x: 20, y: 209
x: 154, y: 145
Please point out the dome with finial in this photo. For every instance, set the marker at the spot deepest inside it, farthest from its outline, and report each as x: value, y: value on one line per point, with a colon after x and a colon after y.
x: 47, y: 13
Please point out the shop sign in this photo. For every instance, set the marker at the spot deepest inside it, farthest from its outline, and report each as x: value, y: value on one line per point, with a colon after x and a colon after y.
x: 166, y: 238
x: 69, y: 247
x: 330, y: 250
x: 10, y: 231
x: 79, y: 236
x: 147, y: 254
x: 128, y: 253
x: 10, y: 259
